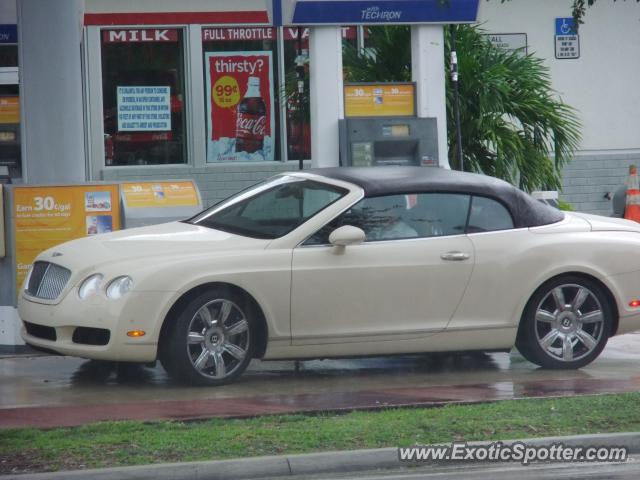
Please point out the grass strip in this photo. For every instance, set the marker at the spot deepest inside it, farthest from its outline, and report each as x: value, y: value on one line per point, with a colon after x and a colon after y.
x: 110, y: 444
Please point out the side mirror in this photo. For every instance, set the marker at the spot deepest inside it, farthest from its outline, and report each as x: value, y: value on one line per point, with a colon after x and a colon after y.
x: 347, y: 235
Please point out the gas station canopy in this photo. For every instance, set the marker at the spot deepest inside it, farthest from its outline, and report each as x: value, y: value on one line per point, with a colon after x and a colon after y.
x: 366, y: 12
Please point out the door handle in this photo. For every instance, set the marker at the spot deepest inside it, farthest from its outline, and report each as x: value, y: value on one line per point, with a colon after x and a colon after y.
x: 455, y: 256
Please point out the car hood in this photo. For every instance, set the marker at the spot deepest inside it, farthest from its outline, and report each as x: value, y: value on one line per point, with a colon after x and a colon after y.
x: 165, y: 240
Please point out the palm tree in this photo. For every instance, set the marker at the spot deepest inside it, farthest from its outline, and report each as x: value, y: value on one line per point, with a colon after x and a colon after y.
x: 513, y: 124
x: 387, y: 60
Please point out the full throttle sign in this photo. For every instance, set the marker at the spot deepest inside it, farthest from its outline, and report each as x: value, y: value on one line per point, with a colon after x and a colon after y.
x: 140, y: 35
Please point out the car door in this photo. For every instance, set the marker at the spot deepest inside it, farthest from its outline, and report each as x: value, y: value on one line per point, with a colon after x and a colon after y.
x: 406, y: 279
x: 499, y: 283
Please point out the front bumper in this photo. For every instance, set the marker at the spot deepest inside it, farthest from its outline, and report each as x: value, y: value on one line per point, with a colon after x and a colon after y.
x: 135, y: 311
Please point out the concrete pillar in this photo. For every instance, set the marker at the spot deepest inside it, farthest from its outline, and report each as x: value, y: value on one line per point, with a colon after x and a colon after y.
x: 325, y: 52
x: 51, y: 102
x: 427, y: 70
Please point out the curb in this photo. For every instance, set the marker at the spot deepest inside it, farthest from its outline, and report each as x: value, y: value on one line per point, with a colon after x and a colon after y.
x: 312, y: 463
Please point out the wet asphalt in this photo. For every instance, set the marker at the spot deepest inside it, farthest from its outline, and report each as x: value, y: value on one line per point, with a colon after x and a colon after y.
x: 48, y: 391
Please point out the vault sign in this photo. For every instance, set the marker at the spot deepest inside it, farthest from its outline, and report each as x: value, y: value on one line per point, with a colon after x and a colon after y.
x: 368, y: 12
x: 566, y: 39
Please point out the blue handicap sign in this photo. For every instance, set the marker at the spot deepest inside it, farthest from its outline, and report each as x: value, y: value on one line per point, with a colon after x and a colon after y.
x: 565, y: 26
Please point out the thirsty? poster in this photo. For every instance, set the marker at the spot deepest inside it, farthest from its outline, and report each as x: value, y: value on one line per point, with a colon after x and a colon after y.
x: 240, y: 110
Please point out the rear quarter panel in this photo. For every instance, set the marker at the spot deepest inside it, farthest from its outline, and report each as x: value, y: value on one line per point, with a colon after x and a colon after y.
x: 511, y: 265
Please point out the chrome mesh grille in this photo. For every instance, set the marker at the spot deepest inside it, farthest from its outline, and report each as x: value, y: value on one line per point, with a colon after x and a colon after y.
x: 37, y: 272
x: 47, y: 280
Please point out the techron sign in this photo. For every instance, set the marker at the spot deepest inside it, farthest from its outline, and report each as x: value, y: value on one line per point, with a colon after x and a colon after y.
x: 364, y: 12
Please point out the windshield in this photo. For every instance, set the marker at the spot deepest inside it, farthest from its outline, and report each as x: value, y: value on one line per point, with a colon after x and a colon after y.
x: 270, y: 209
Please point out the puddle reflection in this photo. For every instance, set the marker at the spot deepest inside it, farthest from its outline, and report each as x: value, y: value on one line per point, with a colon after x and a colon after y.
x: 96, y: 372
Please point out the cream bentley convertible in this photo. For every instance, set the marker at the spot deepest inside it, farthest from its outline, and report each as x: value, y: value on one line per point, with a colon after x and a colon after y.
x: 342, y: 262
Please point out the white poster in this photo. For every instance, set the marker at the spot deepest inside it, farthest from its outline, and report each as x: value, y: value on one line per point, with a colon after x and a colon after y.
x: 142, y: 109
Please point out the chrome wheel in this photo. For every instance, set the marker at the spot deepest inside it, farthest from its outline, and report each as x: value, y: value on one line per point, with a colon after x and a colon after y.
x: 218, y: 339
x: 569, y: 322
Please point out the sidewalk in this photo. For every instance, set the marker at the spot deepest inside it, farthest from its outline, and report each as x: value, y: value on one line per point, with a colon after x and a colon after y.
x: 237, y: 407
x: 44, y: 392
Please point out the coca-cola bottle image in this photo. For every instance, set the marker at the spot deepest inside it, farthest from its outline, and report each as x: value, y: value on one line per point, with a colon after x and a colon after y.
x: 251, y: 120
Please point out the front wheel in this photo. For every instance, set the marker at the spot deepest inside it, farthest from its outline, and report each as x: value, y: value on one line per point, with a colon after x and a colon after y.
x: 211, y: 342
x: 566, y: 323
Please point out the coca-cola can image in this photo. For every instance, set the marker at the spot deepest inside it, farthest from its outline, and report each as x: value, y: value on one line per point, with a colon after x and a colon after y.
x: 251, y: 119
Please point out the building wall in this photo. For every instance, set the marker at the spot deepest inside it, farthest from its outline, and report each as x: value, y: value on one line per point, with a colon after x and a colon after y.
x: 601, y: 85
x: 8, y: 12
x: 591, y: 176
x: 137, y: 6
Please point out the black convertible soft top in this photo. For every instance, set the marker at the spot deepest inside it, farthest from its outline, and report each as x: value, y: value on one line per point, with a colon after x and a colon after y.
x: 376, y: 181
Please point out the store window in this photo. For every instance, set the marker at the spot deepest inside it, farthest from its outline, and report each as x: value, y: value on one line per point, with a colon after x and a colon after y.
x: 10, y: 155
x: 241, y: 94
x: 143, y: 81
x: 296, y: 53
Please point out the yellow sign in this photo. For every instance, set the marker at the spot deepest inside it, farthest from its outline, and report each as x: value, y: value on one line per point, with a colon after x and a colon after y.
x: 9, y: 110
x: 160, y: 194
x: 379, y: 100
x: 226, y: 92
x: 47, y: 216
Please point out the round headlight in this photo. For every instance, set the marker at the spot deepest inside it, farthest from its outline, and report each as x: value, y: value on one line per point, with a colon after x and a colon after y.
x: 90, y: 286
x: 119, y: 286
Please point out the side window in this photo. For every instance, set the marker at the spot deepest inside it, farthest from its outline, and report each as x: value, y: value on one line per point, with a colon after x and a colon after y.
x: 437, y: 214
x: 394, y: 217
x: 488, y: 215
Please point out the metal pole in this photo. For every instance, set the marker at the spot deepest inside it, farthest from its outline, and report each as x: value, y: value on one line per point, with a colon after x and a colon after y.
x: 456, y: 94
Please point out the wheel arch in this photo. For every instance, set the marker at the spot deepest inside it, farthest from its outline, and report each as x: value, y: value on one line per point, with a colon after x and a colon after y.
x: 605, y: 289
x: 186, y: 297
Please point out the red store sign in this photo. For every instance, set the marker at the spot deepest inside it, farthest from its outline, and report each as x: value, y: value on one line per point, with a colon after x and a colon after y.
x: 233, y: 34
x: 230, y: 34
x: 140, y: 35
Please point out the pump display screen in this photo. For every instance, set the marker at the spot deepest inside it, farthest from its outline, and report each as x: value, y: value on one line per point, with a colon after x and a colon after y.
x: 362, y: 154
x: 395, y: 130
x: 7, y: 136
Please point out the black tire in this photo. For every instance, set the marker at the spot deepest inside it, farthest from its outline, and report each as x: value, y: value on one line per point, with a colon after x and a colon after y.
x: 543, y: 340
x: 181, y: 350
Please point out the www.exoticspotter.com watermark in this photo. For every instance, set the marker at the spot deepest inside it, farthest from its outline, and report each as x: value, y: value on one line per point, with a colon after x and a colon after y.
x: 511, y: 452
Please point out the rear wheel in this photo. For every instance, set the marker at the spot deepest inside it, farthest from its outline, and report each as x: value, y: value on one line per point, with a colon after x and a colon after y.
x: 566, y: 323
x: 211, y: 341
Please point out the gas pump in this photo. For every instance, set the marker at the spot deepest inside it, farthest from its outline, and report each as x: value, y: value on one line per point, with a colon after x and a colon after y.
x: 380, y: 127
